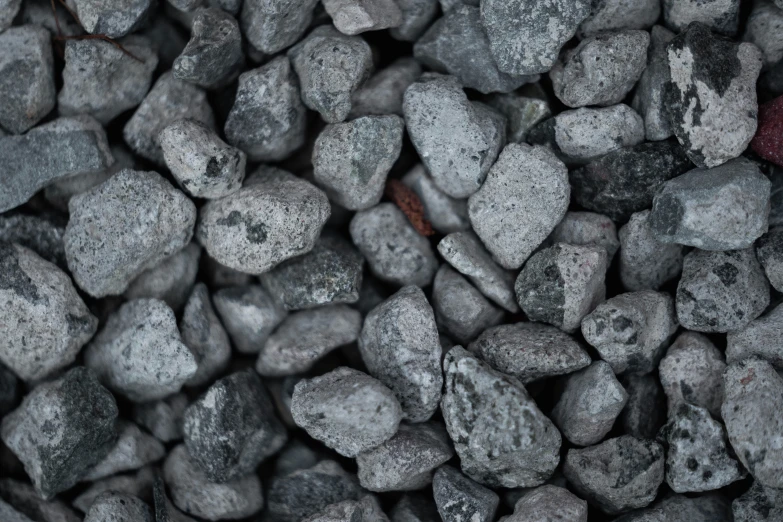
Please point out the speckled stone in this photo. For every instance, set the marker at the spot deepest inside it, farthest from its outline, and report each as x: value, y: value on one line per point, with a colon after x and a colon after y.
x: 137, y: 484
x: 460, y: 499
x: 272, y: 25
x: 549, y: 503
x: 114, y: 18
x: 766, y: 142
x: 118, y: 507
x: 645, y: 262
x: 171, y: 280
x: 612, y: 15
x: 382, y: 93
x: 769, y: 252
x: 416, y: 16
x: 585, y: 134
x: 357, y: 16
x: 761, y: 338
x: 721, y: 16
x: 367, y: 507
x: 445, y: 214
x: 415, y: 508
x: 249, y: 315
x: 43, y: 234
x: 758, y: 504
x: 162, y: 418
x: 648, y: 97
x: 763, y: 30
x: 587, y: 228
x: 645, y: 410
x: 133, y: 449
x: 205, y: 336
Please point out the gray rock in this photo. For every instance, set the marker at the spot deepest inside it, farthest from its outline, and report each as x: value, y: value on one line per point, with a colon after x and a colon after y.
x: 549, y: 502
x: 170, y: 280
x: 563, y: 283
x: 162, y: 418
x: 762, y: 337
x: 203, y: 164
x: 366, y: 509
x: 268, y: 119
x: 220, y: 276
x: 357, y: 16
x: 138, y: 485
x: 529, y: 351
x: 249, y: 315
x: 204, y: 336
x: 464, y: 251
x: 648, y: 98
x: 101, y: 80
x: 406, y: 461
x: 617, y: 475
x: 10, y: 8
x: 460, y: 309
x: 39, y: 12
x: 164, y: 509
x: 382, y: 93
x: 304, y: 337
x: 630, y: 331
x: 133, y: 449
x: 42, y: 234
x: 415, y: 508
x: 194, y: 494
x: 583, y: 78
x: 445, y: 214
x: 232, y: 427
x: 55, y: 436
x: 587, y: 229
x: 481, y: 407
x: 457, y: 140
x: 613, y: 15
x: 118, y: 507
x: 185, y: 5
x: 23, y: 497
x: 523, y: 109
x: 294, y: 456
x: 751, y: 412
x: 711, y: 97
x: 166, y: 38
x: 510, y: 229
x: 416, y: 16
x: 272, y: 25
x: 698, y: 457
x: 394, y: 251
x: 27, y: 69
x: 10, y: 392
x: 645, y: 262
x: 65, y: 147
x: 645, y: 410
x: 591, y: 401
x: 327, y: 77
x: 582, y: 135
x: 721, y: 291
x: 458, y: 45
x: 721, y: 16
x: 758, y: 504
x: 526, y: 35
x: 763, y: 30
x: 459, y: 499
x: 139, y: 352
x: 769, y: 252
x: 347, y: 410
x: 704, y: 508
x: 722, y: 208
x: 169, y: 100
x: 351, y: 160
x: 114, y: 18
x: 45, y: 322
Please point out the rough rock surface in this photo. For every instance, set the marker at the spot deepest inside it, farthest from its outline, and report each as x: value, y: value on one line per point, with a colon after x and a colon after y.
x: 460, y: 499
x: 250, y: 314
x: 645, y: 262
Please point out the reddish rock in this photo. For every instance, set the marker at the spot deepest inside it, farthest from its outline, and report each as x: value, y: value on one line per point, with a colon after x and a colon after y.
x: 768, y: 142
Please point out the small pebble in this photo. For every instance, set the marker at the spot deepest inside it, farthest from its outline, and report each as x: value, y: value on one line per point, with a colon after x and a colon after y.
x: 645, y: 262
x: 721, y: 16
x: 769, y: 252
x: 416, y: 16
x: 138, y: 485
x: 357, y: 16
x: 587, y: 229
x: 171, y: 280
x: 133, y: 450
x: 271, y: 26
x: 648, y: 98
x: 113, y: 18
x: 758, y: 504
x: 249, y: 315
x: 645, y: 410
x: 459, y: 499
x: 25, y: 499
x: 162, y: 418
x: 118, y: 507
x: 766, y: 142
x: 762, y: 337
x: 613, y: 15
x: 549, y: 503
x: 382, y: 94
x: 445, y: 214
x: 585, y: 134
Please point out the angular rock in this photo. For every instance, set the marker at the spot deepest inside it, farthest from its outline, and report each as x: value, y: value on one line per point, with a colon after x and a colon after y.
x: 769, y: 252
x: 721, y: 16
x: 382, y: 93
x: 648, y: 98
x: 758, y: 504
x: 43, y: 234
x: 357, y: 16
x: 523, y: 109
x: 162, y: 418
x: 25, y: 499
x: 414, y: 508
x: 587, y: 229
x: 582, y: 135
x: 249, y: 315
x: 613, y: 15
x: 416, y: 16
x: 460, y: 499
x: 766, y: 142
x: 272, y: 25
x: 549, y: 503
x: 645, y: 262
x: 645, y: 411
x: 138, y: 484
x: 164, y: 509
x: 114, y: 18
x: 367, y: 509
x: 171, y: 280
x: 763, y: 30
x: 133, y: 449
x: 445, y: 214
x: 761, y: 338
x: 118, y: 507
x: 204, y: 336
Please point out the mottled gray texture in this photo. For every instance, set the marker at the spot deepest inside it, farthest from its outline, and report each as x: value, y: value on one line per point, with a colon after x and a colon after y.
x: 399, y: 345
x: 584, y: 78
x: 645, y: 410
x: 330, y: 66
x: 523, y: 109
x: 529, y: 351
x: 357, y: 16
x: 612, y: 15
x: 169, y: 100
x: 170, y: 280
x: 10, y: 8
x: 27, y: 71
x: 648, y: 98
x: 366, y: 509
x: 721, y: 291
x: 394, y: 251
x: 203, y: 164
x: 481, y: 408
x: 137, y: 484
x: 563, y: 283
x: 445, y: 214
x: 525, y: 196
x: 162, y: 418
x: 133, y: 449
x: 758, y: 504
x: 721, y: 16
x: 272, y: 25
x: 645, y: 262
x: 43, y: 234
x: 249, y: 315
x: 351, y: 160
x: 347, y: 410
x: 459, y: 499
x: 416, y: 16
x: 415, y: 508
x: 763, y: 337
x: 204, y: 336
x: 617, y: 475
x: 764, y: 31
x: 55, y: 436
x: 268, y: 119
x: 111, y: 506
x: 382, y: 93
x: 549, y: 503
x: 45, y: 322
x: 769, y: 252
x: 587, y: 228
x: 114, y: 18
x: 704, y: 508
x: 23, y: 497
x: 585, y: 134
x: 591, y: 401
x: 304, y: 337
x: 254, y: 229
x: 711, y: 97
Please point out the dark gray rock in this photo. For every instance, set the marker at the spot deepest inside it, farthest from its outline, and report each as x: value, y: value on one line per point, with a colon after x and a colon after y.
x: 272, y: 25
x: 416, y: 16
x: 164, y: 509
x: 415, y: 508
x: 249, y: 315
x: 162, y: 418
x: 23, y: 497
x: 645, y: 410
x: 645, y: 262
x: 704, y: 508
x: 204, y: 336
x: 133, y: 450
x: 769, y: 252
x: 382, y: 93
x: 720, y: 16
x: 459, y: 499
x: 10, y: 392
x: 758, y: 504
x: 612, y: 15
x: 366, y: 509
x: 118, y: 507
x: 648, y: 97
x: 549, y: 503
x: 587, y: 228
x: 114, y: 18
x: 42, y: 234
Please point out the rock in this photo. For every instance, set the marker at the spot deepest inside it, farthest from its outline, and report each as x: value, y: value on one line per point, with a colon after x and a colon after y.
x: 704, y: 508
x: 304, y: 337
x: 171, y: 280
x: 23, y: 497
x: 766, y: 142
x: 162, y: 418
x: 169, y: 100
x: 721, y: 16
x: 253, y: 230
x: 626, y: 180
x: 220, y: 276
x: 10, y: 8
x: 760, y: 338
x: 114, y: 18
x: 294, y: 456
x: 133, y: 449
x: 587, y: 229
x: 394, y: 251
x: 203, y: 164
x: 617, y: 475
x: 479, y: 406
x: 591, y: 401
x: 55, y: 436
x: 347, y: 410
x: 464, y: 251
x: 457, y: 140
x: 549, y: 503
x: 529, y: 351
x: 42, y: 234
x: 204, y: 336
x: 327, y: 77
x: 249, y: 315
x: 523, y: 109
x: 27, y: 68
x: 561, y: 284
x: 692, y: 373
x: 763, y: 30
x: 460, y: 499
x: 118, y: 507
x: 416, y: 16
x: 414, y: 508
x: 39, y: 12
x: 525, y: 196
x: 614, y: 15
x: 406, y: 461
x: 645, y: 410
x: 45, y: 322
x: 584, y: 79
x: 585, y: 134
x: 232, y: 428
x: 769, y: 252
x: 192, y: 492
x: 101, y: 80
x: 645, y: 262
x: 648, y: 98
x: 758, y: 504
x: 526, y: 35
x: 721, y: 291
x: 268, y: 119
x: 445, y: 214
x: 723, y: 208
x: 351, y: 160
x: 164, y: 509
x: 367, y: 509
x: 357, y: 16
x: 630, y: 331
x: 751, y: 412
x: 382, y: 93
x: 711, y: 97
x: 138, y: 485
x: 271, y: 26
